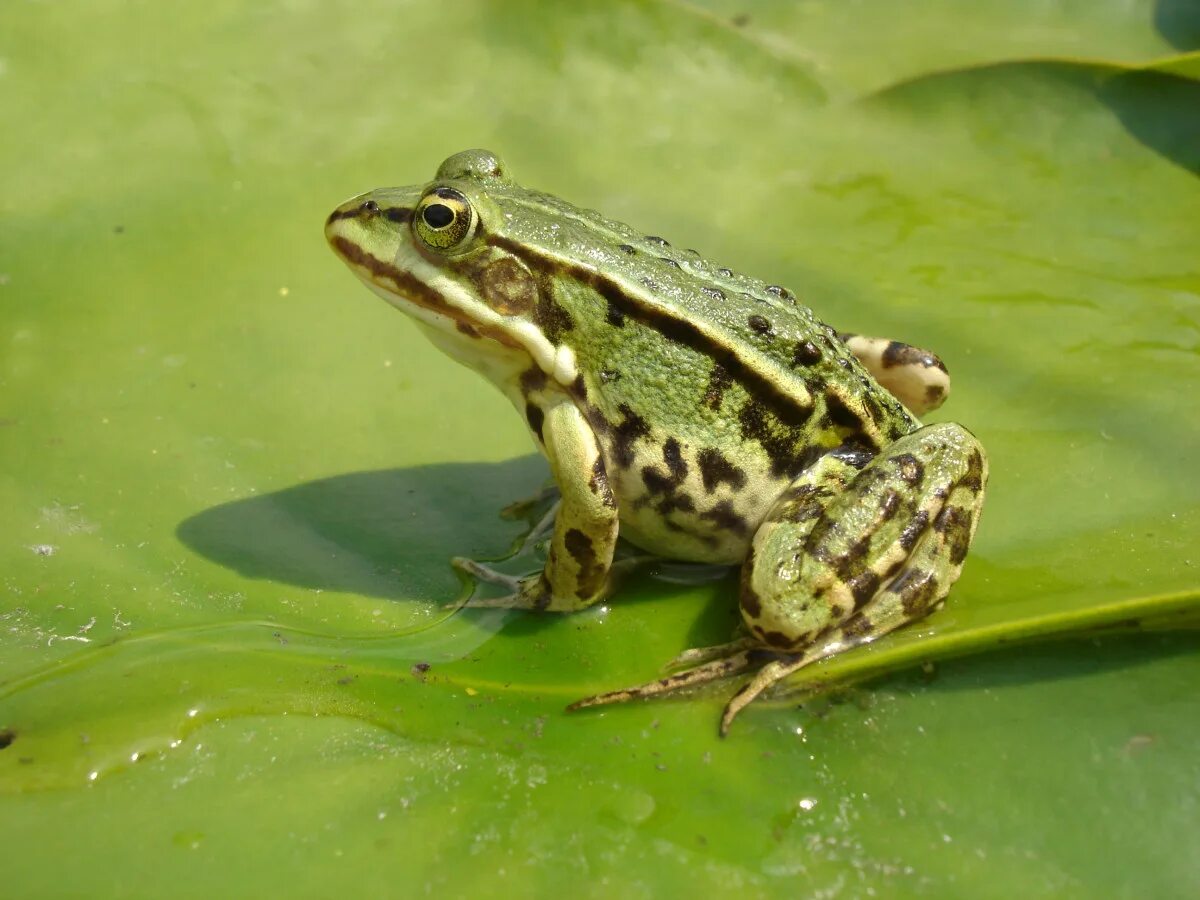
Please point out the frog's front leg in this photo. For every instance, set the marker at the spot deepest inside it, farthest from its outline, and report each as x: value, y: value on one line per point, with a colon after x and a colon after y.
x: 579, y: 564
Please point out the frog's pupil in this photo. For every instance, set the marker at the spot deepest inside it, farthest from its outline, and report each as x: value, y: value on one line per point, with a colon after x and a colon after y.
x: 438, y: 215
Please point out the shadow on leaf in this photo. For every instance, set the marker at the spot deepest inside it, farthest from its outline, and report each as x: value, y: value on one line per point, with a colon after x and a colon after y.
x: 388, y: 533
x: 1159, y: 111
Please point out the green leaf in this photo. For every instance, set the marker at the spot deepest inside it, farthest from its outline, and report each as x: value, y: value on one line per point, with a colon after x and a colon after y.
x: 231, y: 480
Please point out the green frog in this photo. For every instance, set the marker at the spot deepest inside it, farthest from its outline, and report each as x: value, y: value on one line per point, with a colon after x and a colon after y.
x: 701, y: 414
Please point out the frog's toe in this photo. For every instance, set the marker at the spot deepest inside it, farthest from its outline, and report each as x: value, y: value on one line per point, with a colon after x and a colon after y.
x: 486, y: 573
x: 770, y: 674
x: 711, y: 671
x: 509, y: 601
x: 698, y: 655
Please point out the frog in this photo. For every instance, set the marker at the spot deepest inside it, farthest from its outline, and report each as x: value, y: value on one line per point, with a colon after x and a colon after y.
x: 702, y: 415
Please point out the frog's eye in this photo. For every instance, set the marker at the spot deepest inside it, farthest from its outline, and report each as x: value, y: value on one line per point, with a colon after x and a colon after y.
x: 444, y: 219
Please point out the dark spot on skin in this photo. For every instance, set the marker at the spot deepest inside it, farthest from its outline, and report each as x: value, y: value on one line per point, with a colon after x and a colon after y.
x: 715, y: 293
x: 672, y: 502
x: 949, y: 518
x: 776, y: 438
x: 536, y: 418
x: 579, y: 387
x: 839, y: 413
x: 655, y: 239
x: 397, y: 214
x: 532, y: 380
x: 718, y: 381
x: 598, y: 484
x: 615, y: 317
x: 954, y: 523
x: 916, y: 588
x: 899, y: 354
x: 863, y: 587
x: 626, y: 433
x: 656, y: 482
x: 854, y: 560
x: 776, y: 639
x: 959, y: 542
x: 761, y: 324
x: 889, y: 506
x: 973, y: 480
x: 716, y: 470
x: 802, y: 503
x: 507, y: 287
x: 909, y: 468
x: 608, y: 376
x: 673, y: 457
x: 625, y: 248
x: 806, y: 354
x: 858, y: 627
x: 668, y: 261
x: 934, y: 393
x: 554, y: 320
x: 591, y: 573
x: 723, y: 516
x: 913, y: 530
x: 467, y: 328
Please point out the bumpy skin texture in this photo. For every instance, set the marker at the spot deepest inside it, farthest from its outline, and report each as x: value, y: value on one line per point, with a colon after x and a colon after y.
x: 704, y: 415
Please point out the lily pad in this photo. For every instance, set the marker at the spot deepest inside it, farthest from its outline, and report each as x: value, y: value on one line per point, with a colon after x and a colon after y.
x: 231, y: 480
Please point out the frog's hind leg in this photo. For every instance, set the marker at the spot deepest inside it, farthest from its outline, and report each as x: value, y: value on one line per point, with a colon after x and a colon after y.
x: 827, y: 576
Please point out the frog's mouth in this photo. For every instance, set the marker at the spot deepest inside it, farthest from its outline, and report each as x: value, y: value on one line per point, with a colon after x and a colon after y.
x: 415, y: 296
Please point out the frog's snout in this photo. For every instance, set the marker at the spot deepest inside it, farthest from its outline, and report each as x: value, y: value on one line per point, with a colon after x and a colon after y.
x: 358, y: 208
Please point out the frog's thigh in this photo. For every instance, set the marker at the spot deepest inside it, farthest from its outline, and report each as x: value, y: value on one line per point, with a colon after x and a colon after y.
x: 585, y: 529
x: 873, y: 556
x: 915, y: 377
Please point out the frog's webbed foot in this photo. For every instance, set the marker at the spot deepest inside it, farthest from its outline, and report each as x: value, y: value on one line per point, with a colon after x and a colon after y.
x: 713, y: 670
x: 524, y: 508
x: 704, y: 654
x: 767, y: 677
x: 524, y: 592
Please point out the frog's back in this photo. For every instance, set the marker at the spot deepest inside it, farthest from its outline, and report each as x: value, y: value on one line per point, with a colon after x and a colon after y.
x: 710, y: 390
x: 675, y: 332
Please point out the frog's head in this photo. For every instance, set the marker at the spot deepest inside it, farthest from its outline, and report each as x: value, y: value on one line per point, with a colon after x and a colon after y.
x: 437, y: 252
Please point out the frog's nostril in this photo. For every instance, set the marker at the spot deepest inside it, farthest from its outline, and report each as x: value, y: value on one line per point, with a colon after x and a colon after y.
x: 370, y: 206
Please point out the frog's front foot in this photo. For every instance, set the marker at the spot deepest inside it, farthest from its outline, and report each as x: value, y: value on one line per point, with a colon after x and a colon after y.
x: 528, y: 592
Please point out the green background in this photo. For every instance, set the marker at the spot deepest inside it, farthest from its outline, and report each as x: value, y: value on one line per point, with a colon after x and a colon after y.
x: 231, y: 479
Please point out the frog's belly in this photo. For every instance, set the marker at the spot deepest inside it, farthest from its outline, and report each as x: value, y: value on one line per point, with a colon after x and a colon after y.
x: 694, y: 526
